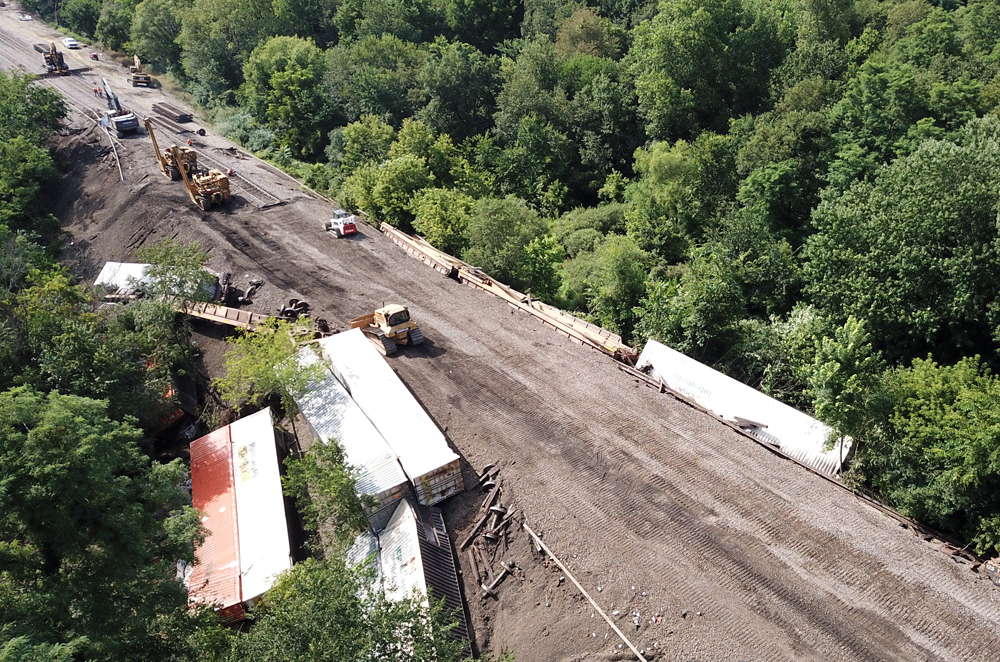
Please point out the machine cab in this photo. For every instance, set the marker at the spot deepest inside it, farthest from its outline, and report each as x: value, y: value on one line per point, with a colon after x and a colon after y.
x: 390, y: 317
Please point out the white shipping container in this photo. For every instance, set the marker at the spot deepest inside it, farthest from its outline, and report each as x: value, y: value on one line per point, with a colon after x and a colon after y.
x: 333, y: 415
x: 423, y: 451
x: 795, y: 433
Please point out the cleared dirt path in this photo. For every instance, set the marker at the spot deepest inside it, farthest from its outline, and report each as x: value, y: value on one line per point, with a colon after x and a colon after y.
x: 746, y: 556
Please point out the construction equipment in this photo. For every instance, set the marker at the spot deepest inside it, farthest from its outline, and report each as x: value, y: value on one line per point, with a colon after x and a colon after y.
x: 54, y: 62
x: 388, y: 326
x: 165, y: 159
x: 207, y: 189
x: 122, y: 120
x: 137, y: 76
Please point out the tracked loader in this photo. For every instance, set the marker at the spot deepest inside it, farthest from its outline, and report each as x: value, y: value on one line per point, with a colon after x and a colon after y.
x: 388, y: 326
x: 206, y: 189
x: 165, y: 158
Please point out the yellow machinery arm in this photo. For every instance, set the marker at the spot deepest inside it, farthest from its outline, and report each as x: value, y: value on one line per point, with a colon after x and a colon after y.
x: 184, y: 175
x: 156, y: 148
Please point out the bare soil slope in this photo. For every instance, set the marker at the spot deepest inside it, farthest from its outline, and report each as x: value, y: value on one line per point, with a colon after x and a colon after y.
x: 656, y: 508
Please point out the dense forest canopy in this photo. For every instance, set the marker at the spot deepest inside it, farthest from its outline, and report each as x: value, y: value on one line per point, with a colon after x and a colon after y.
x: 802, y: 193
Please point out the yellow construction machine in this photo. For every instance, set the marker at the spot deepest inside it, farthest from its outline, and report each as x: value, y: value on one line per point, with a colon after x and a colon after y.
x: 137, y: 76
x: 54, y: 62
x: 165, y: 159
x: 388, y: 326
x: 206, y: 189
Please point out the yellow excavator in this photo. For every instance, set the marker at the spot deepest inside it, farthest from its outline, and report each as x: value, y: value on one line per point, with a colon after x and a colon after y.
x: 205, y: 189
x: 137, y: 76
x: 165, y: 159
x: 388, y: 326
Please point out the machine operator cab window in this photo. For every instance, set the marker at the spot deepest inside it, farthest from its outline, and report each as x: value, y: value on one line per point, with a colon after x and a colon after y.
x: 401, y: 317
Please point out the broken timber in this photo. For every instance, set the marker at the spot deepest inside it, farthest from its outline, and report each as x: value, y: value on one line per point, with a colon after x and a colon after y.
x: 572, y: 327
x: 243, y: 319
x: 538, y: 542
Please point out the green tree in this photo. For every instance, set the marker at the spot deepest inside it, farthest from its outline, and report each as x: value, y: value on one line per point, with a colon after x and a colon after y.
x: 483, y: 23
x: 366, y: 142
x: 177, y: 270
x: 459, y: 85
x: 283, y: 89
x: 940, y: 460
x: 155, y: 32
x: 324, y: 611
x: 845, y: 382
x: 396, y: 182
x: 325, y: 494
x: 28, y: 110
x: 91, y: 532
x: 912, y: 253
x: 261, y: 364
x: 81, y: 15
x: 728, y: 51
x: 27, y: 176
x: 375, y: 75
x: 442, y: 217
x: 618, y: 284
x: 115, y: 23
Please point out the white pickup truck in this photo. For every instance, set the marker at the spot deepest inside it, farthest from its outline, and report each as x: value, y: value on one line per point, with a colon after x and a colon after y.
x: 342, y: 223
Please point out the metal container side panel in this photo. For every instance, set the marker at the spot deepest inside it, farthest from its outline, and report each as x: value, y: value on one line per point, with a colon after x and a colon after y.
x: 215, y: 578
x: 402, y: 569
x: 334, y: 415
x: 265, y: 550
x: 388, y: 404
x: 799, y: 435
x: 438, y: 485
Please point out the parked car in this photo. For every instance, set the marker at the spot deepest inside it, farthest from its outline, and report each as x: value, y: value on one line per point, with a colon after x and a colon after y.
x: 69, y: 42
x: 342, y: 223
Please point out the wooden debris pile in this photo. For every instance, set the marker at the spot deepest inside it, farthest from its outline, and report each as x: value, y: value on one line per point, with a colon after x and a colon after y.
x: 488, y: 543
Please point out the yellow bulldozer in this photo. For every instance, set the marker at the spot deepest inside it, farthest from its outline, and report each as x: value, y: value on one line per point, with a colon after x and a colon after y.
x: 137, y: 76
x: 388, y: 326
x: 206, y: 189
x: 165, y: 158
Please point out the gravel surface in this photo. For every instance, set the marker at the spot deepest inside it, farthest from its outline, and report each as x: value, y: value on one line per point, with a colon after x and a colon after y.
x: 656, y: 508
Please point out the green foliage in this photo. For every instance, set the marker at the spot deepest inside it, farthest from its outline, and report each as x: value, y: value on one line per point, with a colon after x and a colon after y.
x: 283, y: 89
x: 940, y: 462
x: 115, y: 23
x: 28, y: 110
x: 845, y: 382
x: 679, y: 194
x: 727, y: 46
x: 366, y: 142
x: 500, y: 234
x: 262, y: 363
x: 27, y: 174
x: 81, y: 15
x: 324, y: 489
x: 322, y: 611
x: 619, y: 284
x: 83, y: 511
x: 177, y: 271
x: 912, y: 253
x: 459, y: 85
x: 376, y: 75
x: 156, y: 27
x: 442, y: 218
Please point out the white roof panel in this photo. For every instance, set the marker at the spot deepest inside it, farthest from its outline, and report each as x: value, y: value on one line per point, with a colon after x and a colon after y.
x: 260, y: 507
x: 121, y: 274
x: 400, y: 560
x: 333, y: 414
x: 797, y: 434
x: 387, y: 403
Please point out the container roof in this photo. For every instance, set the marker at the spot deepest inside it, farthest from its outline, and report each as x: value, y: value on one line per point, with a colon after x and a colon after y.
x: 235, y: 482
x: 122, y: 274
x: 265, y: 550
x: 388, y: 404
x: 333, y: 414
x: 215, y: 578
